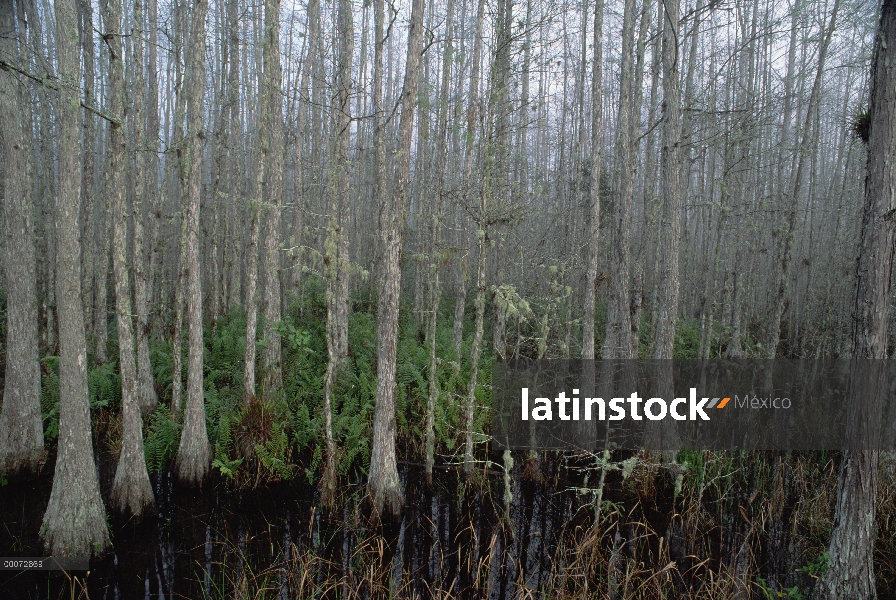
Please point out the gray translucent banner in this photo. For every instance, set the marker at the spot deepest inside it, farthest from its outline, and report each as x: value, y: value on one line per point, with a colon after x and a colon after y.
x: 799, y: 405
x: 50, y: 563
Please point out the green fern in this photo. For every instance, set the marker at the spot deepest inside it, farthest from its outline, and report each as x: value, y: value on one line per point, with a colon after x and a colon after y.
x: 162, y: 440
x: 274, y: 455
x: 49, y: 397
x: 104, y: 386
x: 228, y: 468
x: 304, y: 428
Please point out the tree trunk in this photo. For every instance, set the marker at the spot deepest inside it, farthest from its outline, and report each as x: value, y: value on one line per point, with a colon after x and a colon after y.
x: 618, y: 339
x: 146, y: 393
x: 472, y: 113
x: 743, y: 152
x: 850, y: 572
x: 153, y: 201
x: 473, y: 109
x: 131, y: 491
x: 441, y: 157
x: 41, y: 44
x: 85, y: 19
x: 667, y: 302
x: 379, y: 113
x: 177, y: 335
x: 663, y: 436
x: 251, y: 288
x: 336, y: 244
x: 259, y: 209
x: 193, y: 460
x: 21, y: 422
x: 221, y: 199
x: 273, y: 161
x: 476, y: 349
x: 594, y: 214
x: 101, y: 276
x: 177, y: 173
x: 75, y: 521
x: 230, y: 276
x: 460, y: 302
x: 99, y: 232
x: 298, y: 219
x: 499, y: 162
x: 385, y: 487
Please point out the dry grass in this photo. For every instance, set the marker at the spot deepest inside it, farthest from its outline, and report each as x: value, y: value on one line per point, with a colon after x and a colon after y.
x: 622, y: 556
x: 713, y: 539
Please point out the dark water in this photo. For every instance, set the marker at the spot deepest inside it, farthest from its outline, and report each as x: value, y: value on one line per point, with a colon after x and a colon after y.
x: 757, y: 520
x: 219, y: 542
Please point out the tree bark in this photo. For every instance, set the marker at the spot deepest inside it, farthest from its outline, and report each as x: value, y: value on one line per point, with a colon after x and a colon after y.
x: 99, y: 231
x: 85, y: 19
x: 273, y: 197
x: 251, y: 288
x: 499, y: 161
x: 594, y: 213
x: 385, y: 487
x: 850, y: 572
x: 75, y: 521
x: 131, y: 491
x: 472, y: 112
x: 21, y: 422
x: 618, y: 339
x: 193, y: 459
x: 230, y: 271
x: 258, y: 209
x: 146, y: 393
x: 178, y: 174
x: 667, y: 302
x: 441, y: 158
x: 153, y: 201
x: 336, y: 244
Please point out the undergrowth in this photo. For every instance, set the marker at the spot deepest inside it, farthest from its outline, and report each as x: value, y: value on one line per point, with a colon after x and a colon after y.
x: 282, y: 439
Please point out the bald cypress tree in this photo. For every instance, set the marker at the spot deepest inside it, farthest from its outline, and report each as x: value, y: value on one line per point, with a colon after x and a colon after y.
x: 336, y: 243
x: 850, y: 572
x: 75, y: 521
x: 272, y: 97
x: 193, y: 455
x: 21, y: 425
x: 146, y: 393
x: 618, y: 341
x: 131, y: 491
x: 385, y: 488
x: 594, y: 213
